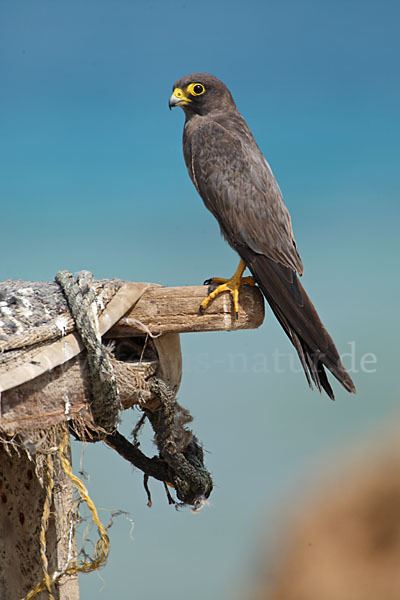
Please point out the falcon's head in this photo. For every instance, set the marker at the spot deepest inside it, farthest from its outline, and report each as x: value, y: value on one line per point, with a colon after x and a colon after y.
x: 201, y: 93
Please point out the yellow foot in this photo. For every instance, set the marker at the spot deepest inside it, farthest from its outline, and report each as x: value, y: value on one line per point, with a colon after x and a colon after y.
x: 231, y: 285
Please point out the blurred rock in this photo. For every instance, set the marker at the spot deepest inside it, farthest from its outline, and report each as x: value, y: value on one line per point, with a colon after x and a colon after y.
x: 347, y: 546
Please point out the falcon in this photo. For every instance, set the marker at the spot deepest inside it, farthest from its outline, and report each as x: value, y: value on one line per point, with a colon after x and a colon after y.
x: 239, y: 189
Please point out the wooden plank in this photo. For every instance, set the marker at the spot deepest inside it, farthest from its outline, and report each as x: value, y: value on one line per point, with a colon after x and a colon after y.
x: 176, y: 309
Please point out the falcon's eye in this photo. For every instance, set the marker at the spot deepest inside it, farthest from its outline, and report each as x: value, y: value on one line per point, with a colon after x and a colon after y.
x: 196, y: 89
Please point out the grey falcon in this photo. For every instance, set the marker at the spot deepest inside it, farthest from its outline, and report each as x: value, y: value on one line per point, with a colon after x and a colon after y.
x: 238, y: 187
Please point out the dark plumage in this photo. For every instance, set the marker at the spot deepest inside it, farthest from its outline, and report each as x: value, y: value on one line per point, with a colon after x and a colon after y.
x: 238, y: 187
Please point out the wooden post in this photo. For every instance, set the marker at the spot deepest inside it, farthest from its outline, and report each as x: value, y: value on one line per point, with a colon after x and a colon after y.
x: 22, y: 497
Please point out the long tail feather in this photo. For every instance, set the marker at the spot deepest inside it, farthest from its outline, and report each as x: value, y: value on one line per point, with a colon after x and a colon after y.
x: 299, y: 319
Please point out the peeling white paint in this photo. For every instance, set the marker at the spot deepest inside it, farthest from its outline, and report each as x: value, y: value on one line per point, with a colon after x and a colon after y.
x: 67, y: 409
x: 27, y: 311
x: 62, y: 324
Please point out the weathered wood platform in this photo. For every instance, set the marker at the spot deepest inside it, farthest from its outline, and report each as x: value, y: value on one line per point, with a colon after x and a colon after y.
x: 44, y: 383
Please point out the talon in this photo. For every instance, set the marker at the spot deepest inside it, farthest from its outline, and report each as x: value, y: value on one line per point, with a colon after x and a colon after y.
x: 231, y: 285
x: 215, y: 281
x: 248, y: 281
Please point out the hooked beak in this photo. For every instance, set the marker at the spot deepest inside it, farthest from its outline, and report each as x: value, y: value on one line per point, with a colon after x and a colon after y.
x: 178, y: 98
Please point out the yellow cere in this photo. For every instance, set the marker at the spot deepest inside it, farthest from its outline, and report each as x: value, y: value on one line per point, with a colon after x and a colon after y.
x: 181, y: 95
x: 196, y: 89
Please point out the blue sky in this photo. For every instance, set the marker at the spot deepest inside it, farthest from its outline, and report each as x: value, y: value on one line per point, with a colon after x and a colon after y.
x: 92, y: 176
